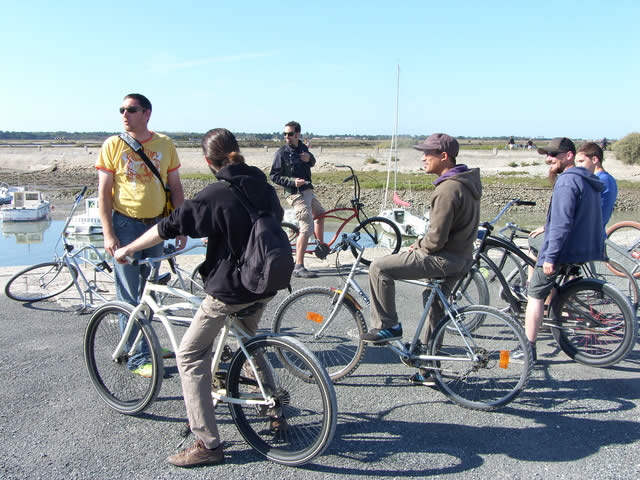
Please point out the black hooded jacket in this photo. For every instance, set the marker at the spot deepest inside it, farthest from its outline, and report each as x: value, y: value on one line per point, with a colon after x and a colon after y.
x: 216, y: 213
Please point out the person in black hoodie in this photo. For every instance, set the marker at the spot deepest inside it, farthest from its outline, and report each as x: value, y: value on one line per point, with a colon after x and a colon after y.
x: 214, y: 213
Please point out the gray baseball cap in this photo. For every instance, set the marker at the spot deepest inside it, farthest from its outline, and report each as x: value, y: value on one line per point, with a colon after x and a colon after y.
x: 441, y: 142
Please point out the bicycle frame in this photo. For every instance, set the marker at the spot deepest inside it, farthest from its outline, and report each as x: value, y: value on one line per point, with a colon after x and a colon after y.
x: 149, y: 308
x: 397, y: 346
x: 355, y: 212
x: 71, y: 262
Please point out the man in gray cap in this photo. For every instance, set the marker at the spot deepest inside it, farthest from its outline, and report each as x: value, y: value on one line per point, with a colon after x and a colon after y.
x: 573, y: 230
x: 445, y: 251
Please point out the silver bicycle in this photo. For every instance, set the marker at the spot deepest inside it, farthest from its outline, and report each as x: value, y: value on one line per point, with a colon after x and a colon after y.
x: 85, y: 268
x: 474, y: 367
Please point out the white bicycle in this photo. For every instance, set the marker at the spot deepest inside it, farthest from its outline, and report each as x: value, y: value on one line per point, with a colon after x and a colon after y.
x: 258, y: 383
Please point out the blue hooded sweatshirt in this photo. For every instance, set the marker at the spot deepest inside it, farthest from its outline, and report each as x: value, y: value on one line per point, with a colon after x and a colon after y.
x: 573, y: 231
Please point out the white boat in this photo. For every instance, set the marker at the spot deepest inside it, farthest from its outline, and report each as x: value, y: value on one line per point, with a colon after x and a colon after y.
x: 87, y: 223
x: 411, y: 226
x: 6, y: 191
x: 26, y: 206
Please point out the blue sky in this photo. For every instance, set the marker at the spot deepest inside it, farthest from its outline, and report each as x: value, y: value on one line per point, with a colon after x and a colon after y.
x: 474, y: 68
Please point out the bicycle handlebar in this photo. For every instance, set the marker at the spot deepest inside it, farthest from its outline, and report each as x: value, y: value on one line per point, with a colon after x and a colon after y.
x: 515, y: 201
x: 169, y: 252
x: 347, y: 240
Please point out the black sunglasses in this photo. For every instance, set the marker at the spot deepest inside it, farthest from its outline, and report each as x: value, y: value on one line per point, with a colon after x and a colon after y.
x: 130, y: 109
x: 288, y: 134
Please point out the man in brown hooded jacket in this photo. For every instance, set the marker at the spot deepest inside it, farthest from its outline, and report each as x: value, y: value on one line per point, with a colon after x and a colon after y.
x: 444, y: 252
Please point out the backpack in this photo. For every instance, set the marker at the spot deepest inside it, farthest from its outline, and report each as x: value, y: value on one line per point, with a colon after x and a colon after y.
x: 267, y: 262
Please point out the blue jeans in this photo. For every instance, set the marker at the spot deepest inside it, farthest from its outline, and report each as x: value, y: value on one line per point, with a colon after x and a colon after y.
x: 130, y: 279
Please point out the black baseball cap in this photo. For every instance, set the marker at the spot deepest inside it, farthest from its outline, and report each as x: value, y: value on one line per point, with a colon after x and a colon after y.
x: 558, y: 145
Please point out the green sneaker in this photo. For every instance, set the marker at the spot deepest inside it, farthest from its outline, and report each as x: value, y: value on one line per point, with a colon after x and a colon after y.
x: 167, y: 353
x: 145, y: 370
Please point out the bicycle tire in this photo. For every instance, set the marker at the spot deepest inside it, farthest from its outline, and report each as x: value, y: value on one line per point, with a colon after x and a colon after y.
x: 626, y: 234
x: 380, y: 236
x: 593, y: 322
x: 473, y: 290
x: 494, y: 379
x: 307, y: 408
x: 116, y: 385
x: 291, y: 230
x: 302, y: 313
x: 40, y: 282
x: 196, y: 284
x: 616, y: 274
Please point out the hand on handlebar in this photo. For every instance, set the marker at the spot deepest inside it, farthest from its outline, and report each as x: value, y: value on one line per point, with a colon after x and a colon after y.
x: 536, y: 232
x: 122, y: 255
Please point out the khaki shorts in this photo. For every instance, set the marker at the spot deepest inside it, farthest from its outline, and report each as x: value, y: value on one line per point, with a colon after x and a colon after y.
x: 306, y: 206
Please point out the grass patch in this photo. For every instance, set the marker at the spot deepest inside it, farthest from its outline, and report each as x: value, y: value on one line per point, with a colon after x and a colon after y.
x: 420, y: 181
x: 371, y: 160
x: 513, y: 164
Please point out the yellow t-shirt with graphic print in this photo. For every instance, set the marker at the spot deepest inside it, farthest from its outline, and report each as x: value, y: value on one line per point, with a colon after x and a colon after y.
x: 137, y: 192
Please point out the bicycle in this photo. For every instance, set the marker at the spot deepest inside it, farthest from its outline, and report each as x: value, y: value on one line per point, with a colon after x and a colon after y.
x: 49, y: 279
x: 473, y: 367
x: 624, y: 238
x: 514, y: 262
x: 592, y: 321
x: 257, y: 386
x: 380, y: 235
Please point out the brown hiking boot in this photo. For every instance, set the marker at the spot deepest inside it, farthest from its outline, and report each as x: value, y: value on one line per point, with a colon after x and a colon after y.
x: 197, y: 455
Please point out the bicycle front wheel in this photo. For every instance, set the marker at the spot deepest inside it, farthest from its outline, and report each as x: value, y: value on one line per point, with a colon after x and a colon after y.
x: 593, y: 323
x: 625, y: 235
x: 477, y: 369
x: 339, y: 348
x: 472, y: 290
x: 380, y: 237
x: 120, y: 388
x: 298, y: 419
x: 40, y: 282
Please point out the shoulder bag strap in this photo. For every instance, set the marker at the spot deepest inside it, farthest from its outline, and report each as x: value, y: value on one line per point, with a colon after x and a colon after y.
x: 136, y: 147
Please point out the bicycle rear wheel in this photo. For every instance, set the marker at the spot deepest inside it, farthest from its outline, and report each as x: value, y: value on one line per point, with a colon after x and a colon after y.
x: 291, y: 230
x: 305, y: 410
x: 593, y: 322
x: 304, y: 312
x: 485, y: 377
x: 40, y: 282
x: 380, y: 236
x: 118, y: 386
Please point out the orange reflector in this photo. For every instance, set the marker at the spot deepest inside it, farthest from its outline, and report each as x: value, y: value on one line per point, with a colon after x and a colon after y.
x: 504, y: 358
x: 315, y: 317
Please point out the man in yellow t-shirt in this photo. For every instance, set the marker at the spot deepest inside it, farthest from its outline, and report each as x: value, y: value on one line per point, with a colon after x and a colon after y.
x: 131, y: 200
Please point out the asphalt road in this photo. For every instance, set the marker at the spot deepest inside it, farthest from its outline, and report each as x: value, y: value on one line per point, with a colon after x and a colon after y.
x: 571, y: 421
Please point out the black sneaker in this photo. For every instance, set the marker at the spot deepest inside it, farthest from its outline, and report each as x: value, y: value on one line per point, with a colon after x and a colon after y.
x: 383, y: 335
x: 304, y: 273
x: 421, y: 378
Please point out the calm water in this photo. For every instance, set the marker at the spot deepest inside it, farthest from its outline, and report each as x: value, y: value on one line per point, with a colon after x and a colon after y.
x: 28, y: 243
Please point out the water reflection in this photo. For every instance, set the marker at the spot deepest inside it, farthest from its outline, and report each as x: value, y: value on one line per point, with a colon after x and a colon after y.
x: 25, y: 232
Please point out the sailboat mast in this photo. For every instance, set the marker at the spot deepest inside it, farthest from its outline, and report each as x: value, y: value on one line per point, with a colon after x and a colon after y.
x: 393, y: 150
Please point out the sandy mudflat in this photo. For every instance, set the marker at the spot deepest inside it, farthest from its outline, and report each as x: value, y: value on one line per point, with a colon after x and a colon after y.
x: 35, y: 159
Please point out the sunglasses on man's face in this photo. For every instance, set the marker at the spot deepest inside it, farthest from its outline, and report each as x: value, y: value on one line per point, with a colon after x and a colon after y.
x: 288, y: 134
x: 130, y: 109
